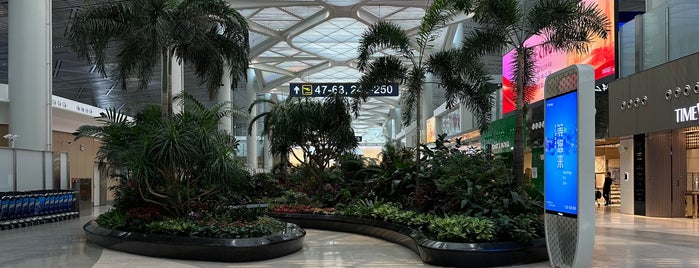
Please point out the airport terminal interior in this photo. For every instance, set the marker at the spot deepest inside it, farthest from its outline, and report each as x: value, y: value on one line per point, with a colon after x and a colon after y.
x: 646, y: 144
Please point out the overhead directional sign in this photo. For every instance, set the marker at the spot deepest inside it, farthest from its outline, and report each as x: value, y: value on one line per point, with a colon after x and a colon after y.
x: 344, y: 89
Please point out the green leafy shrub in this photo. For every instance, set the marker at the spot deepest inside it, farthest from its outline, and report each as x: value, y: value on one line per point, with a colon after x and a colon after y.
x: 522, y: 228
x: 126, y: 194
x: 112, y: 219
x: 240, y: 229
x: 396, y: 180
x: 264, y: 185
x: 461, y: 228
x: 362, y: 208
x: 477, y: 184
x: 302, y: 209
x: 173, y: 226
x: 137, y: 219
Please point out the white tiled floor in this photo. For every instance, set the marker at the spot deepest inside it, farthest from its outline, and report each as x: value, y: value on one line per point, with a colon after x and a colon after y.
x: 620, y: 241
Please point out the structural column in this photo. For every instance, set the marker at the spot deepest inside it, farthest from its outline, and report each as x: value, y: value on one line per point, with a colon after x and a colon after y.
x: 252, y: 135
x: 177, y: 83
x: 29, y: 74
x: 267, y: 146
x: 224, y: 95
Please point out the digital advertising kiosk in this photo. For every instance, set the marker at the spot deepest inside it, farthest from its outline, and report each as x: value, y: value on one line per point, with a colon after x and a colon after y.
x: 569, y: 181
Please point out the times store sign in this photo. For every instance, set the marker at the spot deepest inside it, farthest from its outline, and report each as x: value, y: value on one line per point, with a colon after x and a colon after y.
x: 687, y: 114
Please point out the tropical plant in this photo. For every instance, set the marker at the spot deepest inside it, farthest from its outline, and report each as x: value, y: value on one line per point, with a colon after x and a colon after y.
x: 172, y: 162
x: 461, y: 228
x: 473, y: 183
x: 322, y: 130
x: 112, y: 219
x: 208, y: 34
x: 410, y: 65
x: 564, y: 25
x: 396, y: 181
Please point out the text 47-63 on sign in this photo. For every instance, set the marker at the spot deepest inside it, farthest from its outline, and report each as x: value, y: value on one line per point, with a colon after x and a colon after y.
x: 344, y: 89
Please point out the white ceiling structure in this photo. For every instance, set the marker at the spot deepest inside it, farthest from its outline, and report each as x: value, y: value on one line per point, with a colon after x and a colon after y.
x: 310, y: 41
x: 290, y: 41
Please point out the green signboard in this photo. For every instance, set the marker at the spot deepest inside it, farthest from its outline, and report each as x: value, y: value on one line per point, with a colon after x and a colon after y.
x: 500, y: 135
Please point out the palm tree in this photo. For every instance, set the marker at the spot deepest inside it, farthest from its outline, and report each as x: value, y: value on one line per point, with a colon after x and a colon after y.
x: 207, y: 34
x: 410, y: 65
x: 565, y: 25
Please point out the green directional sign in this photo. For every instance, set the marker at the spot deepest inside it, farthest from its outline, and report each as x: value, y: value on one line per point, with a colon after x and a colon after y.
x: 344, y: 89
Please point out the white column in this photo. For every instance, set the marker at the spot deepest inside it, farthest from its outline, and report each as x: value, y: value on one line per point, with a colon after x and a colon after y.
x: 29, y: 74
x: 267, y: 151
x: 224, y: 95
x: 252, y: 135
x: 177, y: 82
x: 458, y: 36
x: 466, y: 119
x: 397, y: 125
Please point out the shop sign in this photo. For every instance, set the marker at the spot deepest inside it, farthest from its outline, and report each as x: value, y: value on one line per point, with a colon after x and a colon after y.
x: 687, y: 114
x: 501, y: 147
x: 500, y: 135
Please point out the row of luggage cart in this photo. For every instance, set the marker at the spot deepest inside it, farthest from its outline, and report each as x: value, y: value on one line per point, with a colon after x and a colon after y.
x: 20, y: 209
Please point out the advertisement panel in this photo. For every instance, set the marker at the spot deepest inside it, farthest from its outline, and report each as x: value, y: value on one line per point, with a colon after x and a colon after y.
x: 561, y: 138
x: 601, y: 56
x: 431, y: 129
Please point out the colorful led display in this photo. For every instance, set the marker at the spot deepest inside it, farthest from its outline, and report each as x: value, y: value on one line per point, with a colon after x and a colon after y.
x: 601, y: 56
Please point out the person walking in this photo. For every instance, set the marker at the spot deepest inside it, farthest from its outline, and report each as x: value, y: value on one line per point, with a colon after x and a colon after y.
x: 607, y: 189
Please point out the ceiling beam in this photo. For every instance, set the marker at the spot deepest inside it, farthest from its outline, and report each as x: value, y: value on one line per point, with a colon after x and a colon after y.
x: 265, y: 4
x: 271, y: 68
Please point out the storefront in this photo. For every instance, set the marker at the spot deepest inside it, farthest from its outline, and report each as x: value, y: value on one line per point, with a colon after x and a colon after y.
x: 655, y: 114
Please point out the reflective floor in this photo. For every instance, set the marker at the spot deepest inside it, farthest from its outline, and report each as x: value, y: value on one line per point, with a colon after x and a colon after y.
x: 620, y: 241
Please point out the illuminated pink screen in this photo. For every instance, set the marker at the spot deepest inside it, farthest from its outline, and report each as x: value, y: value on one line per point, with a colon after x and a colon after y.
x: 600, y: 56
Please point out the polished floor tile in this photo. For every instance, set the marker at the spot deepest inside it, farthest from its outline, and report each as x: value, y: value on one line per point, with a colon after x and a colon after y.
x: 620, y: 241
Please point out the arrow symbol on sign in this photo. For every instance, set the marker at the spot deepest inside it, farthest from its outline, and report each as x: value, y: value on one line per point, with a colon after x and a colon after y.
x: 296, y: 90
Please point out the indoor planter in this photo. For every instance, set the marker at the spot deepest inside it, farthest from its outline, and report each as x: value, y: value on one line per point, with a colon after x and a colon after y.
x: 432, y: 252
x: 286, y: 242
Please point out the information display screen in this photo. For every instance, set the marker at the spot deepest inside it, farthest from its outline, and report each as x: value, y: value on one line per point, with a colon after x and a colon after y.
x: 561, y: 152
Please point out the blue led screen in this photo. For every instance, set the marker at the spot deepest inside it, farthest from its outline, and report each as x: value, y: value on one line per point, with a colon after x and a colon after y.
x: 561, y: 154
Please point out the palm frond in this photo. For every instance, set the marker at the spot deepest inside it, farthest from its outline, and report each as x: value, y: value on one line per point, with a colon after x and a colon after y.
x: 444, y: 66
x: 384, y: 34
x: 436, y: 16
x: 215, y: 39
x: 261, y: 101
x: 506, y: 13
x: 410, y: 96
x: 485, y: 40
x: 464, y: 79
x: 91, y: 31
x: 572, y: 27
x: 382, y: 71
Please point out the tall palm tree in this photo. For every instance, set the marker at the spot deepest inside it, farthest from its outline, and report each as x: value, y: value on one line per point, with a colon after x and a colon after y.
x: 207, y: 34
x: 410, y: 65
x: 565, y: 25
